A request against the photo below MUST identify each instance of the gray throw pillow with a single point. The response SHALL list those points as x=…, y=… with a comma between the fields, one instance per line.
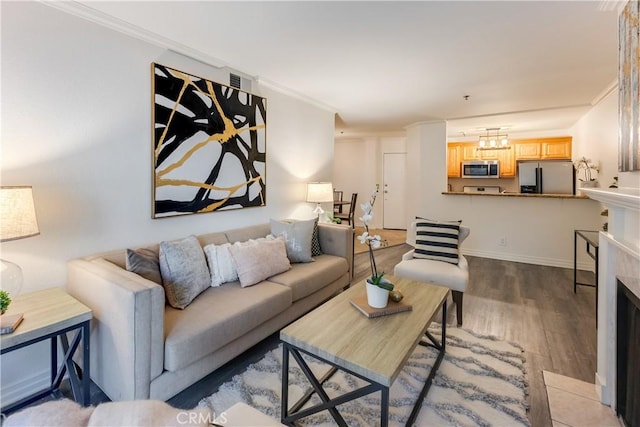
x=297, y=237
x=144, y=262
x=184, y=271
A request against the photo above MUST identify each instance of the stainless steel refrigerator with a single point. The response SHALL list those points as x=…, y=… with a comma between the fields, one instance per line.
x=547, y=177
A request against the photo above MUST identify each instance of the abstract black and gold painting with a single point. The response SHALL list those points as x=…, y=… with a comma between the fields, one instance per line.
x=209, y=145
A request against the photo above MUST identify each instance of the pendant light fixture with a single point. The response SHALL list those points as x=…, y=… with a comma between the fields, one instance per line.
x=493, y=140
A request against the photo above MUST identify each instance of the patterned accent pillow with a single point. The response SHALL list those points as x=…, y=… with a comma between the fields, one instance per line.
x=297, y=237
x=144, y=262
x=437, y=240
x=260, y=261
x=184, y=271
x=316, y=250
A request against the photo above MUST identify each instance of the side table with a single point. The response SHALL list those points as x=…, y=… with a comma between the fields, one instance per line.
x=49, y=314
x=592, y=239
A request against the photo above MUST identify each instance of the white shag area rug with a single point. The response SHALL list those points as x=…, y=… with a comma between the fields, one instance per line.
x=480, y=382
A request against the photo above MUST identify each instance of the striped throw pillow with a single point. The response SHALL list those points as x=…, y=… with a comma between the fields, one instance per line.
x=437, y=240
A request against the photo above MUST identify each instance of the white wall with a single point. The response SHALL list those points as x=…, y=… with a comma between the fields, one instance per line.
x=76, y=125
x=595, y=139
x=536, y=230
x=357, y=168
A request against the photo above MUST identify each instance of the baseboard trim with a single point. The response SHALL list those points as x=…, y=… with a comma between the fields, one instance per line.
x=551, y=262
x=25, y=387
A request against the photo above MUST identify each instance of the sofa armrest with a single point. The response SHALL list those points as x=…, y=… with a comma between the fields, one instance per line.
x=463, y=264
x=408, y=255
x=127, y=330
x=336, y=239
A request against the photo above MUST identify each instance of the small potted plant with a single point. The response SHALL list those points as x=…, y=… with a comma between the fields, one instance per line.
x=378, y=287
x=585, y=170
x=4, y=301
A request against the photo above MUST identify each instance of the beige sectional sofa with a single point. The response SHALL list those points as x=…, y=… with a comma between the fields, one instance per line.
x=142, y=348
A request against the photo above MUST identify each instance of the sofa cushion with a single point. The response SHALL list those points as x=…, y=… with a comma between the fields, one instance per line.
x=306, y=278
x=217, y=317
x=297, y=236
x=438, y=272
x=437, y=240
x=145, y=263
x=184, y=270
x=258, y=261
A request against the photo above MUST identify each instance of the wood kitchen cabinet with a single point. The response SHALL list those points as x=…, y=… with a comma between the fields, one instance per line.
x=470, y=152
x=453, y=160
x=489, y=154
x=507, y=162
x=528, y=150
x=543, y=148
x=458, y=152
x=556, y=148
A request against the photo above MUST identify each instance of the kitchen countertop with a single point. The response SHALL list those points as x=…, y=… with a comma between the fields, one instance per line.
x=550, y=196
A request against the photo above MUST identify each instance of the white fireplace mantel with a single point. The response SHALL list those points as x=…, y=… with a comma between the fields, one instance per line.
x=619, y=257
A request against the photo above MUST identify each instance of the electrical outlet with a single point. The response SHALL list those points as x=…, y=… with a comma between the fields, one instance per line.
x=503, y=241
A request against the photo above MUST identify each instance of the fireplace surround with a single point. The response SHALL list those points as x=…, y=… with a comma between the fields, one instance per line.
x=619, y=259
x=627, y=355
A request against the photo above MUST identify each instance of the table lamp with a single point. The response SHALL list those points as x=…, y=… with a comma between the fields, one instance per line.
x=319, y=192
x=17, y=221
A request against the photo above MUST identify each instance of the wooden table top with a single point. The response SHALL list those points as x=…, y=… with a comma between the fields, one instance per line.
x=45, y=311
x=376, y=348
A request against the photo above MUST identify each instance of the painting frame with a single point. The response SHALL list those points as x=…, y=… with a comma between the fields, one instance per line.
x=208, y=145
x=629, y=88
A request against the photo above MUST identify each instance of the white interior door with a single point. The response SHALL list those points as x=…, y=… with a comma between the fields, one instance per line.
x=393, y=190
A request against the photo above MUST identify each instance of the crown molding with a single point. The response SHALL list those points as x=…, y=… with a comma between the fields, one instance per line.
x=611, y=88
x=100, y=18
x=293, y=94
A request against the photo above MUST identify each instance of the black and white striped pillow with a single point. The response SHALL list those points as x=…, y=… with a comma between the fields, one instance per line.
x=437, y=240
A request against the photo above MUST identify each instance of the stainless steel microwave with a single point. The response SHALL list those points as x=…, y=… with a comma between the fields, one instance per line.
x=481, y=169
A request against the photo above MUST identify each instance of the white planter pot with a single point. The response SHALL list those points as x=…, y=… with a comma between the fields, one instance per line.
x=376, y=296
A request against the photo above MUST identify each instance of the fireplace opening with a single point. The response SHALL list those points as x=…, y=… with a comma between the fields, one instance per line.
x=628, y=356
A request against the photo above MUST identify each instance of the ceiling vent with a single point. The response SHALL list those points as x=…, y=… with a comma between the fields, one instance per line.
x=235, y=81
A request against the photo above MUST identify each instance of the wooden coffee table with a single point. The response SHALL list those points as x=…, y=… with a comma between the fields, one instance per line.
x=373, y=349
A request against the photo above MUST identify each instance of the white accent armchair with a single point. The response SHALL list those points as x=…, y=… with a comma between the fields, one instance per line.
x=453, y=276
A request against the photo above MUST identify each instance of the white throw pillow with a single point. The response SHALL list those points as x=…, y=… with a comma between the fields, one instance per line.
x=220, y=264
x=184, y=270
x=259, y=261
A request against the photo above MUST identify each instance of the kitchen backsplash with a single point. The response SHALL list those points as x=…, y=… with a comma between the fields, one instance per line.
x=510, y=185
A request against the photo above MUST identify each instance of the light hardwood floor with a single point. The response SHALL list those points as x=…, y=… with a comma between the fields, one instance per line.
x=529, y=304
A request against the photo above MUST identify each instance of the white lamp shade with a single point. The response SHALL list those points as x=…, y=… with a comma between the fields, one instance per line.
x=17, y=214
x=319, y=192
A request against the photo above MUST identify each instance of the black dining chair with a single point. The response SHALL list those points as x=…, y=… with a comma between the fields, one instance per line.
x=352, y=208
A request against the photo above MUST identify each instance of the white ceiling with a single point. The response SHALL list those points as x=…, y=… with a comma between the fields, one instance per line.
x=527, y=66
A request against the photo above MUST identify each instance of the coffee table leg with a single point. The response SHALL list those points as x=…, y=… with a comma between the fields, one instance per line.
x=432, y=373
x=384, y=407
x=284, y=411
